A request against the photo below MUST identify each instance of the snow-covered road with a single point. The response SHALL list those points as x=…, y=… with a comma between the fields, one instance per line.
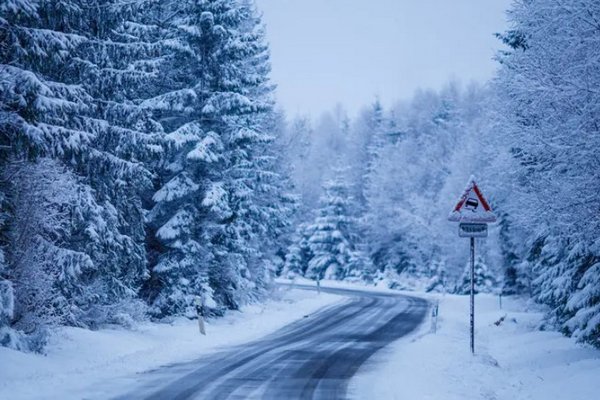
x=311, y=358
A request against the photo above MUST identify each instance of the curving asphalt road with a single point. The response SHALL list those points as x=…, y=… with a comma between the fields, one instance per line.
x=313, y=358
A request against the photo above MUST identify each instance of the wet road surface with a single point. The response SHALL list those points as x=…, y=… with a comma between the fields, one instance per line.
x=313, y=358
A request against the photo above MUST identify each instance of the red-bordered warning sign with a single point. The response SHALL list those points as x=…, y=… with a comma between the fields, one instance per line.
x=472, y=206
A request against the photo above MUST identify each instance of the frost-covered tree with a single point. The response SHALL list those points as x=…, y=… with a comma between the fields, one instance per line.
x=193, y=158
x=333, y=237
x=63, y=84
x=583, y=307
x=549, y=115
x=112, y=64
x=516, y=280
x=46, y=263
x=297, y=136
x=222, y=204
x=373, y=132
x=295, y=263
x=7, y=298
x=298, y=253
x=258, y=188
x=407, y=181
x=438, y=281
x=361, y=268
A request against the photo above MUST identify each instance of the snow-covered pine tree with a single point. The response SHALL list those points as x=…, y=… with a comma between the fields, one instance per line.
x=221, y=205
x=376, y=187
x=485, y=281
x=17, y=140
x=410, y=170
x=515, y=281
x=333, y=239
x=583, y=307
x=296, y=150
x=286, y=199
x=439, y=279
x=257, y=188
x=117, y=65
x=298, y=253
x=295, y=263
x=565, y=277
x=58, y=62
x=372, y=129
x=191, y=195
x=7, y=299
x=31, y=50
x=32, y=109
x=550, y=118
x=361, y=266
x=46, y=219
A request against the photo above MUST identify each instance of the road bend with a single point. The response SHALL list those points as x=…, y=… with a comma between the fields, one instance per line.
x=313, y=358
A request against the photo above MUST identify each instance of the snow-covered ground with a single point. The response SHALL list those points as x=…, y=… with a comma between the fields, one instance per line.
x=94, y=364
x=513, y=361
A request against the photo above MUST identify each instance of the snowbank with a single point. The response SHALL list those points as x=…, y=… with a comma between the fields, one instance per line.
x=89, y=364
x=513, y=359
x=381, y=287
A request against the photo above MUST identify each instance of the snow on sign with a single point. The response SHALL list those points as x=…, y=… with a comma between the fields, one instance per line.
x=472, y=206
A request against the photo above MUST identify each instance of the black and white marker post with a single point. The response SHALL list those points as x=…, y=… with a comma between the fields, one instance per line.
x=200, y=311
x=473, y=213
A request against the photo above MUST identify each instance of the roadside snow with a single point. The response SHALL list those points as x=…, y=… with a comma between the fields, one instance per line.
x=358, y=285
x=88, y=364
x=513, y=360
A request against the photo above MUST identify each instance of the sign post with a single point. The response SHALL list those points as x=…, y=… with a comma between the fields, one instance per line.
x=473, y=213
x=472, y=311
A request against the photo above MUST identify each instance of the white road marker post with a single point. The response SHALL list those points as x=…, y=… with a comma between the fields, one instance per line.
x=434, y=316
x=318, y=285
x=473, y=213
x=199, y=303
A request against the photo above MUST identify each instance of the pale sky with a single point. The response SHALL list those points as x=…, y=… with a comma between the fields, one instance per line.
x=326, y=52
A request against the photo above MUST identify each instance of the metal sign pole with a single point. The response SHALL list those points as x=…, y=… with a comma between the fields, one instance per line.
x=473, y=295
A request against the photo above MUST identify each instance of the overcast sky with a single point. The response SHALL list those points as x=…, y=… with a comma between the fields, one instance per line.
x=349, y=51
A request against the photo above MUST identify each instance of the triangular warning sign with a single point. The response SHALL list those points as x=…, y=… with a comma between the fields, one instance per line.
x=472, y=206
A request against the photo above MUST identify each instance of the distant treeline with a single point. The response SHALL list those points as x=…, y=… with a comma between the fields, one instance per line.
x=532, y=138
